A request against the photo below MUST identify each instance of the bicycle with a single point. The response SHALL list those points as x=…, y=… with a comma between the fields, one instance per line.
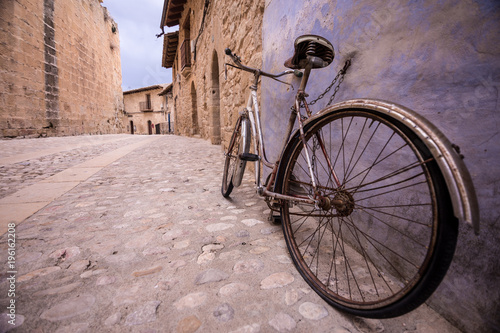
x=369, y=193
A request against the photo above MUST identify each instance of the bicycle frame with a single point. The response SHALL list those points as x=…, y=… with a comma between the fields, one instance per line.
x=253, y=111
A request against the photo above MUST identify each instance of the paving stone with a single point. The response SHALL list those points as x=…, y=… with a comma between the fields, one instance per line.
x=145, y=314
x=182, y=244
x=113, y=319
x=229, y=218
x=120, y=258
x=90, y=273
x=271, y=230
x=366, y=325
x=259, y=249
x=211, y=275
x=291, y=297
x=233, y=288
x=25, y=258
x=8, y=323
x=248, y=266
x=191, y=301
x=69, y=308
x=105, y=280
x=219, y=227
x=254, y=328
x=153, y=251
x=74, y=328
x=313, y=311
x=37, y=273
x=277, y=280
x=148, y=271
x=58, y=290
x=188, y=325
x=224, y=312
x=283, y=322
x=140, y=241
x=251, y=222
x=174, y=265
x=79, y=266
x=243, y=234
x=174, y=234
x=212, y=247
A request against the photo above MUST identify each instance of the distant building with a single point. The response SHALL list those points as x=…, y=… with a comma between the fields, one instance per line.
x=60, y=69
x=149, y=110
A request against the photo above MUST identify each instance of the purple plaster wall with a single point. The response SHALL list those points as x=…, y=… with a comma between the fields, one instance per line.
x=439, y=58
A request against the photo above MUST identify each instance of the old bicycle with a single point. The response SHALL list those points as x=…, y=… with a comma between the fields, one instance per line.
x=369, y=193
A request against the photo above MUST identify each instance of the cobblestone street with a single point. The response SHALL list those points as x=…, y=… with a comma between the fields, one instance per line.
x=122, y=233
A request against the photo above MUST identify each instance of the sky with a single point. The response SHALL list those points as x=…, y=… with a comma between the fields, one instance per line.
x=141, y=52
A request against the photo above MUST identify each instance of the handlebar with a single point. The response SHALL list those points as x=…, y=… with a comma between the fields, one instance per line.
x=256, y=71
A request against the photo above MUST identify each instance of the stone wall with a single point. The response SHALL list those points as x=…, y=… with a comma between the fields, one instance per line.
x=441, y=59
x=207, y=104
x=60, y=69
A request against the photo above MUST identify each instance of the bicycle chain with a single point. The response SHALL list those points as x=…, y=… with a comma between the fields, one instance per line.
x=340, y=77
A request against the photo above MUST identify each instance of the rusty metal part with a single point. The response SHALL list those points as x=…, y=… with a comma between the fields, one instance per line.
x=344, y=203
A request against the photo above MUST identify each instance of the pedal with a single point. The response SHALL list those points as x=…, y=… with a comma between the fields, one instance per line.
x=249, y=157
x=274, y=215
x=274, y=218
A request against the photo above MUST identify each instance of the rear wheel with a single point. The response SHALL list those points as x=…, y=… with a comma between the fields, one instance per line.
x=383, y=234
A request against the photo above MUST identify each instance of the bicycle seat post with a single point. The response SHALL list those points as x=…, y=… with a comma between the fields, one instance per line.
x=305, y=77
x=312, y=62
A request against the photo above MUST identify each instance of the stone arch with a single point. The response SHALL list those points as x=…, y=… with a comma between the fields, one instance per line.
x=194, y=111
x=215, y=101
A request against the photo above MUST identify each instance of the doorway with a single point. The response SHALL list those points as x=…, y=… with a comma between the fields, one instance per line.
x=131, y=127
x=194, y=111
x=215, y=99
x=150, y=127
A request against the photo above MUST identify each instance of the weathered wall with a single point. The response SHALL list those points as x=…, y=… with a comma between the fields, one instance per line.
x=441, y=59
x=233, y=24
x=60, y=68
x=157, y=114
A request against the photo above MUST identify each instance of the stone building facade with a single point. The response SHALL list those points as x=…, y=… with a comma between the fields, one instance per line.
x=60, y=69
x=149, y=110
x=207, y=104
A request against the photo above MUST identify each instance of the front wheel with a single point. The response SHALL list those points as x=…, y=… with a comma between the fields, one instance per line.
x=383, y=236
x=234, y=167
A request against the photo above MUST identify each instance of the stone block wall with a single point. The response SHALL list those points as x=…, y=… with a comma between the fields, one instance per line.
x=441, y=59
x=206, y=103
x=60, y=69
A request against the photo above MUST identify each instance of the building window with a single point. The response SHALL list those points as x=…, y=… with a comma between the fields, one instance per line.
x=146, y=106
x=185, y=50
x=185, y=54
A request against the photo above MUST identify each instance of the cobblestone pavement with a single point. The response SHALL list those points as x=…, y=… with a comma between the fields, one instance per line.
x=146, y=243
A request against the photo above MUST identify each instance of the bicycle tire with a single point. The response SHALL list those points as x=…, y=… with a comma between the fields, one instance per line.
x=385, y=249
x=233, y=165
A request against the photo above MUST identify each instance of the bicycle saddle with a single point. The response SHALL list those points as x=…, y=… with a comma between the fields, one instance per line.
x=313, y=46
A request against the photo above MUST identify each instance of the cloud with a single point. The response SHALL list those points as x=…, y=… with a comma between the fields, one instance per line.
x=141, y=52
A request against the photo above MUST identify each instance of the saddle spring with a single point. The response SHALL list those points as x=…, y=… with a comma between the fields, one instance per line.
x=317, y=50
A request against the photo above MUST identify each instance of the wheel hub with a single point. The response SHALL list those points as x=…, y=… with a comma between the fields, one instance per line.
x=343, y=203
